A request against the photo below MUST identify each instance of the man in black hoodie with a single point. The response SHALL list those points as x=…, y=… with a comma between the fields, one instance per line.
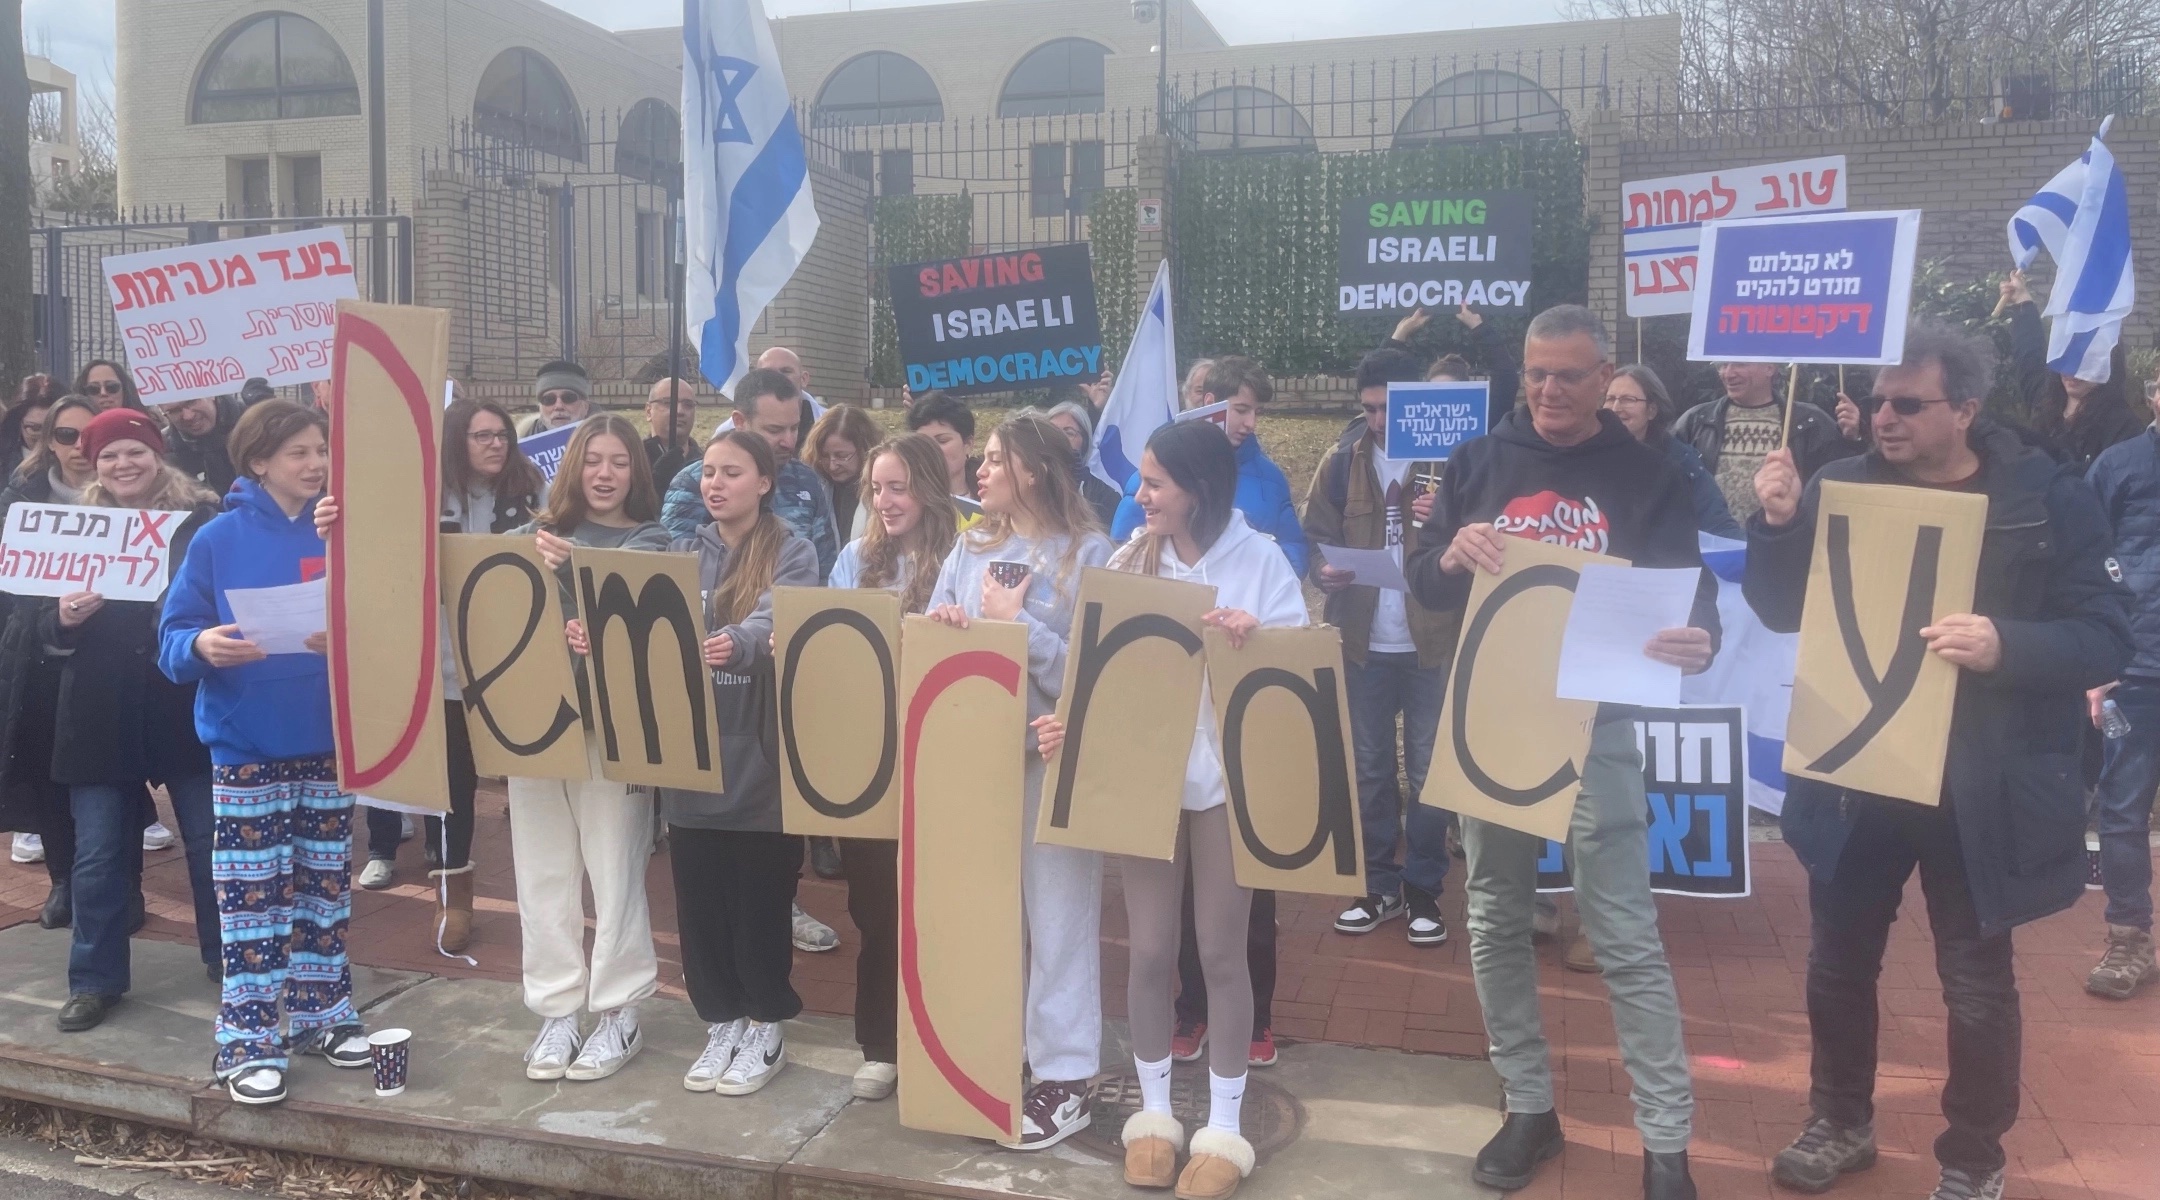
x=1562, y=470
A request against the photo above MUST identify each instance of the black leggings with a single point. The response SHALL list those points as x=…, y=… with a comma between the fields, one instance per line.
x=384, y=826
x=735, y=914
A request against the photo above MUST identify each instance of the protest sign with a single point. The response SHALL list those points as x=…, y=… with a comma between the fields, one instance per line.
x=1426, y=421
x=1434, y=250
x=961, y=1039
x=1283, y=721
x=998, y=322
x=838, y=654
x=1663, y=220
x=1887, y=562
x=1830, y=288
x=513, y=669
x=200, y=320
x=1694, y=782
x=384, y=601
x=1510, y=751
x=1130, y=706
x=652, y=698
x=546, y=451
x=61, y=549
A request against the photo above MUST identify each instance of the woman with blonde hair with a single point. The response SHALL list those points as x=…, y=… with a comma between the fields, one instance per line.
x=838, y=449
x=1023, y=563
x=914, y=523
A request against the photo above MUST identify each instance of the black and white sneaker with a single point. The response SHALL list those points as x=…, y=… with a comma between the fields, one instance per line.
x=1050, y=1113
x=345, y=1046
x=263, y=1085
x=1426, y=927
x=1369, y=914
x=1965, y=1185
x=758, y=1057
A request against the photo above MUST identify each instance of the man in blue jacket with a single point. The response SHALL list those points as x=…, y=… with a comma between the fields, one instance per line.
x=767, y=404
x=2006, y=845
x=1263, y=494
x=2127, y=478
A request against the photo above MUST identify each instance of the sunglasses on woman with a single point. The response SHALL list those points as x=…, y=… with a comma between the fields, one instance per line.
x=66, y=435
x=1904, y=406
x=110, y=387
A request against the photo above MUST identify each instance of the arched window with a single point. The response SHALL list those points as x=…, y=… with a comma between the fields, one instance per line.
x=275, y=66
x=1064, y=76
x=523, y=100
x=1479, y=103
x=1246, y=118
x=648, y=144
x=879, y=88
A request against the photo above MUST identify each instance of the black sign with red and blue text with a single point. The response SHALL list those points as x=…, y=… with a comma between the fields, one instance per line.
x=998, y=322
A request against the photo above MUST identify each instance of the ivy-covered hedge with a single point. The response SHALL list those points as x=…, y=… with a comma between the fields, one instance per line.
x=908, y=229
x=1257, y=243
x=1113, y=228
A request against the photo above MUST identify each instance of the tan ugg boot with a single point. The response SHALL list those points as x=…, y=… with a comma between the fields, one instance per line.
x=453, y=902
x=1152, y=1141
x=1220, y=1161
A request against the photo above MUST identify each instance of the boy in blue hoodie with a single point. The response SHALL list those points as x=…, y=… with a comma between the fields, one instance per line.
x=282, y=854
x=1263, y=494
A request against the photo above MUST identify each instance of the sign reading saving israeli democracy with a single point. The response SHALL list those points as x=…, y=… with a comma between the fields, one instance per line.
x=1822, y=288
x=1435, y=250
x=998, y=322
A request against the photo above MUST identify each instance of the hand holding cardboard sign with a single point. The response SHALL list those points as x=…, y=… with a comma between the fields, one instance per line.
x=1966, y=640
x=326, y=514
x=1478, y=545
x=574, y=635
x=1236, y=624
x=719, y=650
x=1777, y=485
x=1049, y=735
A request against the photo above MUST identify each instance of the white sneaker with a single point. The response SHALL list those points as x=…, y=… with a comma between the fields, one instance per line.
x=720, y=1042
x=875, y=1080
x=378, y=874
x=405, y=828
x=27, y=848
x=263, y=1085
x=552, y=1051
x=760, y=1056
x=612, y=1044
x=813, y=936
x=157, y=837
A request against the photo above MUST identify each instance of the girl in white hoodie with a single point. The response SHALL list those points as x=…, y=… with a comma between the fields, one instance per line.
x=1188, y=482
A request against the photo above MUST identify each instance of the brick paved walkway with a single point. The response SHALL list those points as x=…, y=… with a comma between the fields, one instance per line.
x=2090, y=1122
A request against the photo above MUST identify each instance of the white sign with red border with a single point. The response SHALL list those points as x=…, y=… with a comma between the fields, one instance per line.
x=1662, y=220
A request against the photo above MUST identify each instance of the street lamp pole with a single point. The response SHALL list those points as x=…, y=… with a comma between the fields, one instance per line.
x=1142, y=10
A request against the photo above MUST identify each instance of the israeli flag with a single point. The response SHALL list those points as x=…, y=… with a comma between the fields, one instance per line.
x=747, y=211
x=2082, y=217
x=1753, y=671
x=1145, y=396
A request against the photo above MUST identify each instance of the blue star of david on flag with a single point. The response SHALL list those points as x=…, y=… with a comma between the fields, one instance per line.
x=732, y=75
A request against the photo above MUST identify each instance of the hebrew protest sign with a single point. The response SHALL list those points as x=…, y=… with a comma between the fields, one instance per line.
x=61, y=549
x=1695, y=783
x=1510, y=751
x=838, y=653
x=1426, y=421
x=1870, y=706
x=1663, y=220
x=1434, y=250
x=1283, y=719
x=384, y=591
x=1130, y=706
x=1828, y=288
x=961, y=1041
x=200, y=320
x=998, y=322
x=652, y=698
x=513, y=670
x=546, y=450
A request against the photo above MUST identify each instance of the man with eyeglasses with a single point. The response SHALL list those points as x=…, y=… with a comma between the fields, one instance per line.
x=671, y=414
x=2006, y=845
x=1562, y=470
x=195, y=435
x=1733, y=432
x=564, y=392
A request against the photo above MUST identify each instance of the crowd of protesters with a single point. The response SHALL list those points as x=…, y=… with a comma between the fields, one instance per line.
x=102, y=701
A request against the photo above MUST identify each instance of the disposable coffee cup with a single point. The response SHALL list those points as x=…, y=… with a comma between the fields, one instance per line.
x=1008, y=574
x=389, y=1048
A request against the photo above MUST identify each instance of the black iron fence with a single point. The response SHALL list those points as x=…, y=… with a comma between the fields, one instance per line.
x=73, y=316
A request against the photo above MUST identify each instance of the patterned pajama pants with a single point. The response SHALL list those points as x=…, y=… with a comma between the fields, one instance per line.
x=282, y=866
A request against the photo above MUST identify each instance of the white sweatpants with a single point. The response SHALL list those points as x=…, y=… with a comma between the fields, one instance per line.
x=1062, y=891
x=563, y=835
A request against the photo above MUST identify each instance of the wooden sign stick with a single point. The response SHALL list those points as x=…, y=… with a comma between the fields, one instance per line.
x=1792, y=394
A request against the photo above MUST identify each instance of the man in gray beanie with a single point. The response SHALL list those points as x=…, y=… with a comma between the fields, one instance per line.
x=564, y=393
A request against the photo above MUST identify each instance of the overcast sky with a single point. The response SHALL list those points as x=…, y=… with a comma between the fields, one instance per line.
x=80, y=32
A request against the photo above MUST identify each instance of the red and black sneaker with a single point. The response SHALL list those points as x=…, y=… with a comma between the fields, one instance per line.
x=1050, y=1113
x=1188, y=1041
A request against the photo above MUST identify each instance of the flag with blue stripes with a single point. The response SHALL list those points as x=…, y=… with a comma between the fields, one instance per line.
x=1753, y=671
x=748, y=214
x=1145, y=396
x=2082, y=219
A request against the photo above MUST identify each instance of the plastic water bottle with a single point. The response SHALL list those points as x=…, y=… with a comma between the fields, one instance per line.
x=2112, y=721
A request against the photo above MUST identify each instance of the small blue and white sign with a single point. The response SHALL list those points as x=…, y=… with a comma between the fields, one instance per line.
x=546, y=449
x=1822, y=288
x=1426, y=421
x=1695, y=780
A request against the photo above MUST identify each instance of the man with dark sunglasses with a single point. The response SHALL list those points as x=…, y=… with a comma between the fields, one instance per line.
x=564, y=393
x=2007, y=843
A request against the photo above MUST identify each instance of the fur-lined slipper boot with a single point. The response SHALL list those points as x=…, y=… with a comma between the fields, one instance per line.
x=1220, y=1161
x=1152, y=1141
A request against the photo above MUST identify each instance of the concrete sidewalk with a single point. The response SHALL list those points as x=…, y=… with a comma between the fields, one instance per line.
x=1332, y=1120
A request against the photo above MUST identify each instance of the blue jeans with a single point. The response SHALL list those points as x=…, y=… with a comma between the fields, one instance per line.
x=108, y=873
x=2125, y=802
x=1387, y=686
